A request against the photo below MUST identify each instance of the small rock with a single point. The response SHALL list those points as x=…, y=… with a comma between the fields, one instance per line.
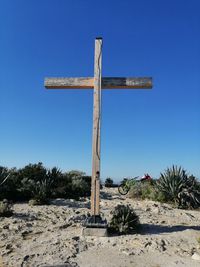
x=26, y=258
x=82, y=247
x=55, y=242
x=76, y=238
x=155, y=205
x=29, y=224
x=25, y=233
x=77, y=212
x=15, y=227
x=162, y=222
x=147, y=209
x=196, y=257
x=128, y=253
x=8, y=246
x=149, y=243
x=155, y=210
x=163, y=245
x=137, y=251
x=64, y=226
x=78, y=218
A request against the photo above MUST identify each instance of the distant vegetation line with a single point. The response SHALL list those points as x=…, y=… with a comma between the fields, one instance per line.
x=38, y=184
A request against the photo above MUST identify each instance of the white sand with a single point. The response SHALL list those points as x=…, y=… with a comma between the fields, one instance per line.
x=51, y=235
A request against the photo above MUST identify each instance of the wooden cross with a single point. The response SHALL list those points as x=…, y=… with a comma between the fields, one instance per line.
x=97, y=83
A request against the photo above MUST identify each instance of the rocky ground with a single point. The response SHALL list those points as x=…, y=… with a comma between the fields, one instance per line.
x=51, y=236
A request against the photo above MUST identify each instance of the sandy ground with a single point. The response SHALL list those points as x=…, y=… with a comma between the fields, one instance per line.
x=51, y=236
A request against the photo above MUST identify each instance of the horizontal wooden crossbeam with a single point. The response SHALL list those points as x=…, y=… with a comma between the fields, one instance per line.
x=107, y=83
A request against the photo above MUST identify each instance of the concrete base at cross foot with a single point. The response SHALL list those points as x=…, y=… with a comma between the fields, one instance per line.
x=94, y=231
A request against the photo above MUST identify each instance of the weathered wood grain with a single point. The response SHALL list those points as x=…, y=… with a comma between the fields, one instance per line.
x=95, y=193
x=107, y=83
x=126, y=83
x=68, y=83
x=97, y=83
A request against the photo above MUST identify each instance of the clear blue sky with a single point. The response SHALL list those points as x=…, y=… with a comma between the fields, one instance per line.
x=142, y=130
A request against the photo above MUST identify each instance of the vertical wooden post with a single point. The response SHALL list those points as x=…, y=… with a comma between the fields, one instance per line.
x=95, y=201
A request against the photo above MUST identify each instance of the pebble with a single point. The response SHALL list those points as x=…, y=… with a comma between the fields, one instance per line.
x=196, y=257
x=155, y=210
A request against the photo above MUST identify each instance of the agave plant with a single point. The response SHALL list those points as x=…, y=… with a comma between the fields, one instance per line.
x=172, y=182
x=39, y=191
x=124, y=220
x=177, y=186
x=55, y=173
x=189, y=198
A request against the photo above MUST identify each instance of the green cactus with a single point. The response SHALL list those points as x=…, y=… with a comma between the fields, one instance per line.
x=180, y=188
x=172, y=182
x=124, y=220
x=189, y=198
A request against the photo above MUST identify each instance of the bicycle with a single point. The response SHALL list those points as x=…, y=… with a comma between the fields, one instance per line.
x=126, y=184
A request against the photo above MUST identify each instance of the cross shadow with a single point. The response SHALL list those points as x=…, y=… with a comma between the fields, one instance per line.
x=61, y=265
x=153, y=229
x=159, y=229
x=105, y=195
x=24, y=216
x=108, y=196
x=70, y=203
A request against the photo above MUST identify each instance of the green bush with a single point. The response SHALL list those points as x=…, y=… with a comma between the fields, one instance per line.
x=135, y=190
x=9, y=186
x=35, y=172
x=40, y=191
x=80, y=188
x=73, y=184
x=108, y=182
x=5, y=208
x=143, y=190
x=124, y=220
x=36, y=182
x=32, y=174
x=4, y=173
x=63, y=187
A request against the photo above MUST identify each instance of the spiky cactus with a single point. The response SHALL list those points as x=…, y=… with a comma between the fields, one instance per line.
x=40, y=191
x=189, y=198
x=180, y=188
x=124, y=220
x=172, y=181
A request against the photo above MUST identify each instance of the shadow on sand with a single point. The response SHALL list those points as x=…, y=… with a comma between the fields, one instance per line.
x=108, y=196
x=159, y=229
x=24, y=216
x=70, y=203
